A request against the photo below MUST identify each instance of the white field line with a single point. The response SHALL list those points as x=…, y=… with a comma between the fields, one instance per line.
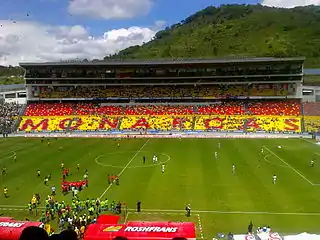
x=266, y=160
x=200, y=226
x=317, y=154
x=125, y=167
x=292, y=168
x=181, y=212
x=126, y=218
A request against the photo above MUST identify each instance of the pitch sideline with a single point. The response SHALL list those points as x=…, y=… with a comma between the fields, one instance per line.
x=179, y=211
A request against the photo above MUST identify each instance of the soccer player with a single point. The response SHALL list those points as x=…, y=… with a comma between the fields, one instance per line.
x=262, y=151
x=233, y=169
x=117, y=180
x=118, y=145
x=48, y=143
x=30, y=207
x=14, y=157
x=38, y=173
x=188, y=210
x=138, y=206
x=274, y=179
x=219, y=145
x=155, y=158
x=162, y=168
x=62, y=165
x=78, y=167
x=216, y=155
x=53, y=190
x=144, y=159
x=4, y=171
x=46, y=180
x=312, y=163
x=5, y=192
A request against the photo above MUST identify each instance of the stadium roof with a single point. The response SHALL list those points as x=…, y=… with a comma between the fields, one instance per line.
x=162, y=62
x=312, y=71
x=13, y=87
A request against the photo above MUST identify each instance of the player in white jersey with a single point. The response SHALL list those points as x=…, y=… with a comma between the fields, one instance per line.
x=312, y=163
x=155, y=159
x=219, y=145
x=216, y=155
x=162, y=168
x=233, y=169
x=274, y=179
x=53, y=190
x=262, y=151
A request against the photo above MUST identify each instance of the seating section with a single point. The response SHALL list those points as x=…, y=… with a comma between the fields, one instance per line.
x=227, y=116
x=312, y=123
x=9, y=113
x=201, y=91
x=50, y=109
x=311, y=108
x=281, y=108
x=248, y=123
x=311, y=112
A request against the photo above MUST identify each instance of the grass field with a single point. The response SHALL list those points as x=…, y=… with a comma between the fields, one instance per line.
x=220, y=201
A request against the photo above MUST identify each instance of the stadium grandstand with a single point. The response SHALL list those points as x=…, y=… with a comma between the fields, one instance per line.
x=253, y=95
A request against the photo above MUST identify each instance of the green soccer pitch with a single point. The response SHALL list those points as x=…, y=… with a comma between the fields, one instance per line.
x=220, y=200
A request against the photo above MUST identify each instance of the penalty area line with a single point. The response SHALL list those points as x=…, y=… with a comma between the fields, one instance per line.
x=292, y=168
x=125, y=167
x=200, y=226
x=126, y=218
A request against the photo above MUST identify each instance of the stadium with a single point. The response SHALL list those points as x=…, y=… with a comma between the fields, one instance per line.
x=218, y=144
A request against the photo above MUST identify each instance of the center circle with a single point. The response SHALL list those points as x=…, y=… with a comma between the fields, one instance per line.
x=165, y=156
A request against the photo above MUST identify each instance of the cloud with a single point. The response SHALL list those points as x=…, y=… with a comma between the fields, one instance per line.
x=110, y=9
x=35, y=42
x=289, y=3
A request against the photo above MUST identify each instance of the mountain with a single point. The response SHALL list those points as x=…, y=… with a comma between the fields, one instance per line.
x=237, y=30
x=11, y=75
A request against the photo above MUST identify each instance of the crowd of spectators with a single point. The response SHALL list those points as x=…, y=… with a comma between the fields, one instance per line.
x=8, y=115
x=311, y=112
x=129, y=92
x=37, y=233
x=278, y=108
x=226, y=115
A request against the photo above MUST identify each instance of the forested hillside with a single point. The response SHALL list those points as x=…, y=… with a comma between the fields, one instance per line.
x=11, y=75
x=237, y=30
x=228, y=31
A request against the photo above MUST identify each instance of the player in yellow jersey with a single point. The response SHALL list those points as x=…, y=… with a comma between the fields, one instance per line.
x=5, y=192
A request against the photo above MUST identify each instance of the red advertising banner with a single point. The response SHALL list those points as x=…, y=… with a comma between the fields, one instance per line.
x=141, y=231
x=11, y=229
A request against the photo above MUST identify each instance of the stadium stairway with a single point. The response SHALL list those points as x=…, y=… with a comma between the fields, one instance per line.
x=119, y=123
x=194, y=122
x=302, y=118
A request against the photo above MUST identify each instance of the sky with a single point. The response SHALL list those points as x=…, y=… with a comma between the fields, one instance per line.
x=54, y=30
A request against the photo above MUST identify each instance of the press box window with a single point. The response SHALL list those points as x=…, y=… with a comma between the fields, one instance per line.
x=307, y=92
